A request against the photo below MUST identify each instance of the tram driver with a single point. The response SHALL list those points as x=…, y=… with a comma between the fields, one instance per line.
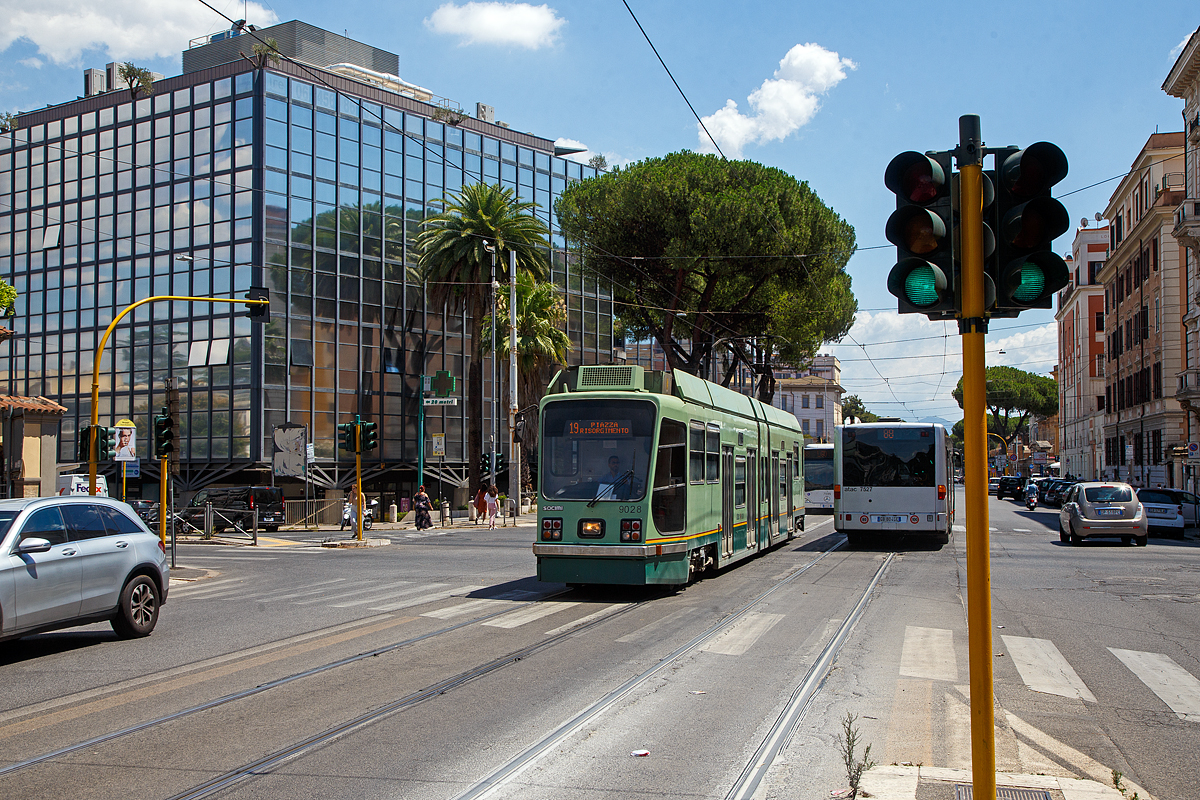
x=617, y=483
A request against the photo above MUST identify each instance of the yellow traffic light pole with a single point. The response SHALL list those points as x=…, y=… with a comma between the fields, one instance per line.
x=979, y=581
x=96, y=377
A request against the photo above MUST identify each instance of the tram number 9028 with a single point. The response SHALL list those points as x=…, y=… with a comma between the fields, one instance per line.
x=629, y=509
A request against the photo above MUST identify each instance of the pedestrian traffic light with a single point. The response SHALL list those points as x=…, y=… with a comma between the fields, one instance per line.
x=924, y=277
x=164, y=434
x=1025, y=268
x=501, y=462
x=83, y=444
x=346, y=438
x=369, y=436
x=106, y=445
x=259, y=312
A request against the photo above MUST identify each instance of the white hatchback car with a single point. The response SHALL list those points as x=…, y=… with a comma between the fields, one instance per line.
x=1163, y=512
x=73, y=560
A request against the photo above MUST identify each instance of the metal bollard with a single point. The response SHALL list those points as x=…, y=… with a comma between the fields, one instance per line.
x=445, y=510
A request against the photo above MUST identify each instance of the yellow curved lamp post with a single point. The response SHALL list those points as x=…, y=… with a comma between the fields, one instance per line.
x=94, y=432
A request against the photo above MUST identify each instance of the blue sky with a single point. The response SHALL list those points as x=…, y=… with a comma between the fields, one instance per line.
x=860, y=83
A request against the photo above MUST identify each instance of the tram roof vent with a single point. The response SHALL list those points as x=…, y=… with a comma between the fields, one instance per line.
x=628, y=377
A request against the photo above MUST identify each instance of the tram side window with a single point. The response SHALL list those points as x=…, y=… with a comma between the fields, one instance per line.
x=696, y=457
x=713, y=457
x=739, y=482
x=668, y=505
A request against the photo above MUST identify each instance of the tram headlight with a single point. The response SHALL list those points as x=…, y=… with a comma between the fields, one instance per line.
x=591, y=528
x=631, y=530
x=551, y=530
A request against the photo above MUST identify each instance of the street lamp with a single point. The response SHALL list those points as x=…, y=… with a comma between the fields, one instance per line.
x=493, y=433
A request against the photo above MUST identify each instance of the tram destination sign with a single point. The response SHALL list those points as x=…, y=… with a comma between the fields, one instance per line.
x=601, y=428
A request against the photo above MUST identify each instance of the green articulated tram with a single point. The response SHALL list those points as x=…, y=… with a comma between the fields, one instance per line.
x=650, y=477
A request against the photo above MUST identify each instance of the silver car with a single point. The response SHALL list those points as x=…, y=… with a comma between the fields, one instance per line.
x=1094, y=510
x=73, y=560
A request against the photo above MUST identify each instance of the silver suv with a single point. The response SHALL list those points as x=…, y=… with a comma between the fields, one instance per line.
x=68, y=561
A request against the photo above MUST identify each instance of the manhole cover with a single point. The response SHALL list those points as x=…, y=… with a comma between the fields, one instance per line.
x=962, y=791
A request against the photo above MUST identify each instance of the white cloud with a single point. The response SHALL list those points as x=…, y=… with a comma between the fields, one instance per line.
x=516, y=24
x=31, y=62
x=914, y=364
x=124, y=29
x=1177, y=49
x=781, y=105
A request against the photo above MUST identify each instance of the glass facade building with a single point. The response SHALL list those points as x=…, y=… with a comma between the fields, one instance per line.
x=302, y=180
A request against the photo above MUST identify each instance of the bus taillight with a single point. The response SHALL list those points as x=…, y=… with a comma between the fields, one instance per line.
x=941, y=491
x=837, y=491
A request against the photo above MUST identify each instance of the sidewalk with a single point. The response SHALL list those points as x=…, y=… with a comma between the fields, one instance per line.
x=939, y=783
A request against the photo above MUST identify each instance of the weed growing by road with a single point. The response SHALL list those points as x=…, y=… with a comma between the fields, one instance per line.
x=1116, y=779
x=848, y=741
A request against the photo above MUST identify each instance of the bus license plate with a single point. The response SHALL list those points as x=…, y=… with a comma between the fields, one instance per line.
x=887, y=518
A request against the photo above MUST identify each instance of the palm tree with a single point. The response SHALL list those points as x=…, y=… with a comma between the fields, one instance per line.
x=542, y=344
x=457, y=266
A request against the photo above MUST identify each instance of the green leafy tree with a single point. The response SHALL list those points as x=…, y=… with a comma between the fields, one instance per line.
x=1012, y=396
x=8, y=299
x=139, y=79
x=853, y=407
x=265, y=54
x=8, y=122
x=542, y=344
x=705, y=254
x=457, y=268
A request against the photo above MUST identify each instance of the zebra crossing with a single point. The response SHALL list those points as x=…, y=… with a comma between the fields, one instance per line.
x=928, y=653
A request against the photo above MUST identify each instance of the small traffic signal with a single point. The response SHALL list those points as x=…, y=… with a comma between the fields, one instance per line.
x=83, y=444
x=485, y=462
x=369, y=433
x=1026, y=270
x=924, y=277
x=501, y=462
x=346, y=437
x=164, y=434
x=106, y=446
x=260, y=313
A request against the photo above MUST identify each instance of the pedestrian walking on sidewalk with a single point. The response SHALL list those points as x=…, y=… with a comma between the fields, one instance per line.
x=422, y=506
x=481, y=503
x=492, y=498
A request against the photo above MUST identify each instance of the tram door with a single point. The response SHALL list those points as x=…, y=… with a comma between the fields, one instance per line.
x=727, y=478
x=774, y=495
x=752, y=510
x=789, y=512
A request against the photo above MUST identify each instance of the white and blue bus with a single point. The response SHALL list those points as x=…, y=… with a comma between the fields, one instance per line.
x=819, y=478
x=893, y=477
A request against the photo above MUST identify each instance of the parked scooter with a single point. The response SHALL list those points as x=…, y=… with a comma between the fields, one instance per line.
x=348, y=515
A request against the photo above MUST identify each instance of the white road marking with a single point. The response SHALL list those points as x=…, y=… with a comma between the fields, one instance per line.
x=960, y=528
x=532, y=613
x=426, y=598
x=469, y=607
x=748, y=630
x=1022, y=530
x=366, y=590
x=271, y=597
x=1044, y=669
x=615, y=607
x=669, y=622
x=1173, y=684
x=928, y=653
x=389, y=594
x=203, y=586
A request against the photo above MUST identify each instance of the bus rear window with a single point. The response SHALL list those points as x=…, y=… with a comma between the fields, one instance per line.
x=897, y=457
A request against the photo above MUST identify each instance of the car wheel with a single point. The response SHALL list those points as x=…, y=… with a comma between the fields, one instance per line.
x=137, y=612
x=1142, y=541
x=1076, y=539
x=1062, y=535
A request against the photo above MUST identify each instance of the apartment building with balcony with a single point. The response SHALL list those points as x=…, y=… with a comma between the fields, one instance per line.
x=1081, y=356
x=1144, y=301
x=1184, y=82
x=814, y=395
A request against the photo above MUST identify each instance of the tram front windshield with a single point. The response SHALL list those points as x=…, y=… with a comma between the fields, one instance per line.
x=596, y=449
x=900, y=457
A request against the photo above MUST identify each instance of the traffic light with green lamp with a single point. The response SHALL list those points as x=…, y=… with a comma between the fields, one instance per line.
x=369, y=435
x=346, y=437
x=164, y=434
x=106, y=443
x=485, y=463
x=1026, y=270
x=924, y=277
x=83, y=444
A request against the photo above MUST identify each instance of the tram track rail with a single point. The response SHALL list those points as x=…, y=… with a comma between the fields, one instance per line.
x=484, y=787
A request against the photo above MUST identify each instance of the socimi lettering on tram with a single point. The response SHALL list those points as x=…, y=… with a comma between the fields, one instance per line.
x=650, y=477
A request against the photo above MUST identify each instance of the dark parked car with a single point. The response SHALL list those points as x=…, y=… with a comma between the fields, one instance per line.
x=73, y=560
x=1055, y=491
x=1011, y=486
x=145, y=509
x=235, y=506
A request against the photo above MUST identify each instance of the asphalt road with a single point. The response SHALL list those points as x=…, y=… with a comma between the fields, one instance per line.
x=438, y=667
